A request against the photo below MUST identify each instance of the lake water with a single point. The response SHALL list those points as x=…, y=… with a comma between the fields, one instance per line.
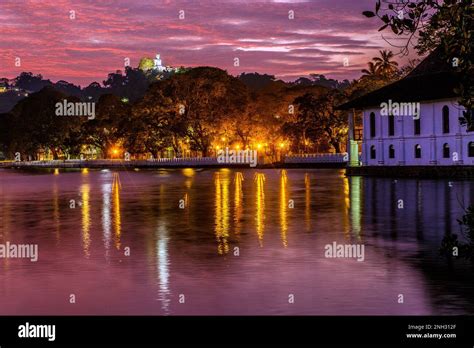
x=226, y=242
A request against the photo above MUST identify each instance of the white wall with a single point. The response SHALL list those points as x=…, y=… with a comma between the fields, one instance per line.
x=431, y=138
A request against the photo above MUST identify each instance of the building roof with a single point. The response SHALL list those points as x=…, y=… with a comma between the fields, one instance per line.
x=432, y=79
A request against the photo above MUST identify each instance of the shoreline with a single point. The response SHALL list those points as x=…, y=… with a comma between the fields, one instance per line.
x=141, y=164
x=422, y=172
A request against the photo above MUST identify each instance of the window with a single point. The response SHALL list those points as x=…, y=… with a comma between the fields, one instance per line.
x=446, y=150
x=417, y=126
x=445, y=119
x=391, y=151
x=372, y=125
x=417, y=151
x=372, y=152
x=470, y=149
x=391, y=125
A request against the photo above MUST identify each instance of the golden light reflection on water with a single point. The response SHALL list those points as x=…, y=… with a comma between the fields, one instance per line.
x=284, y=207
x=116, y=186
x=260, y=206
x=221, y=183
x=238, y=201
x=346, y=207
x=86, y=219
x=189, y=173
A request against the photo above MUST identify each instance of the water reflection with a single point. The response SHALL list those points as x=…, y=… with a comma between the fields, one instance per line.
x=355, y=205
x=260, y=206
x=106, y=215
x=86, y=218
x=238, y=202
x=284, y=207
x=307, y=201
x=221, y=184
x=116, y=186
x=56, y=218
x=345, y=185
x=171, y=254
x=162, y=265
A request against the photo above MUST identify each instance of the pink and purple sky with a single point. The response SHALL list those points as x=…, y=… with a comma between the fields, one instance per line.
x=259, y=33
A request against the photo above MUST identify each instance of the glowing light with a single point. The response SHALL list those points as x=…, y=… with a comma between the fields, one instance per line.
x=223, y=138
x=56, y=171
x=86, y=219
x=259, y=146
x=237, y=147
x=259, y=178
x=282, y=145
x=283, y=207
x=218, y=147
x=85, y=171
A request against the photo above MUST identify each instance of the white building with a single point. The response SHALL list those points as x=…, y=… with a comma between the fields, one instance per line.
x=432, y=135
x=158, y=65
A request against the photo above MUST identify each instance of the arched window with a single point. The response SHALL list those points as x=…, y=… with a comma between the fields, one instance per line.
x=417, y=126
x=417, y=151
x=391, y=151
x=445, y=119
x=372, y=152
x=391, y=125
x=372, y=125
x=470, y=149
x=446, y=153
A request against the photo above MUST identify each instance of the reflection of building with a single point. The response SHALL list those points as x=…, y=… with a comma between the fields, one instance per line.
x=420, y=126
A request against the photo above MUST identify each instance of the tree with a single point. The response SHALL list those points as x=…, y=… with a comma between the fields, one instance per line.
x=34, y=126
x=305, y=121
x=371, y=71
x=154, y=124
x=203, y=97
x=132, y=85
x=93, y=92
x=385, y=65
x=29, y=82
x=106, y=130
x=429, y=24
x=146, y=64
x=319, y=115
x=256, y=81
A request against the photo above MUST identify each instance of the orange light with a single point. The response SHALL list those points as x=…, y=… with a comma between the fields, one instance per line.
x=259, y=146
x=237, y=147
x=282, y=145
x=223, y=138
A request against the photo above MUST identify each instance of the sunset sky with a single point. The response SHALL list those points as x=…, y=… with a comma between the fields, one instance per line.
x=213, y=33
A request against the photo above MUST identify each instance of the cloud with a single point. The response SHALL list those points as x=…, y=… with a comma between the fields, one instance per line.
x=102, y=34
